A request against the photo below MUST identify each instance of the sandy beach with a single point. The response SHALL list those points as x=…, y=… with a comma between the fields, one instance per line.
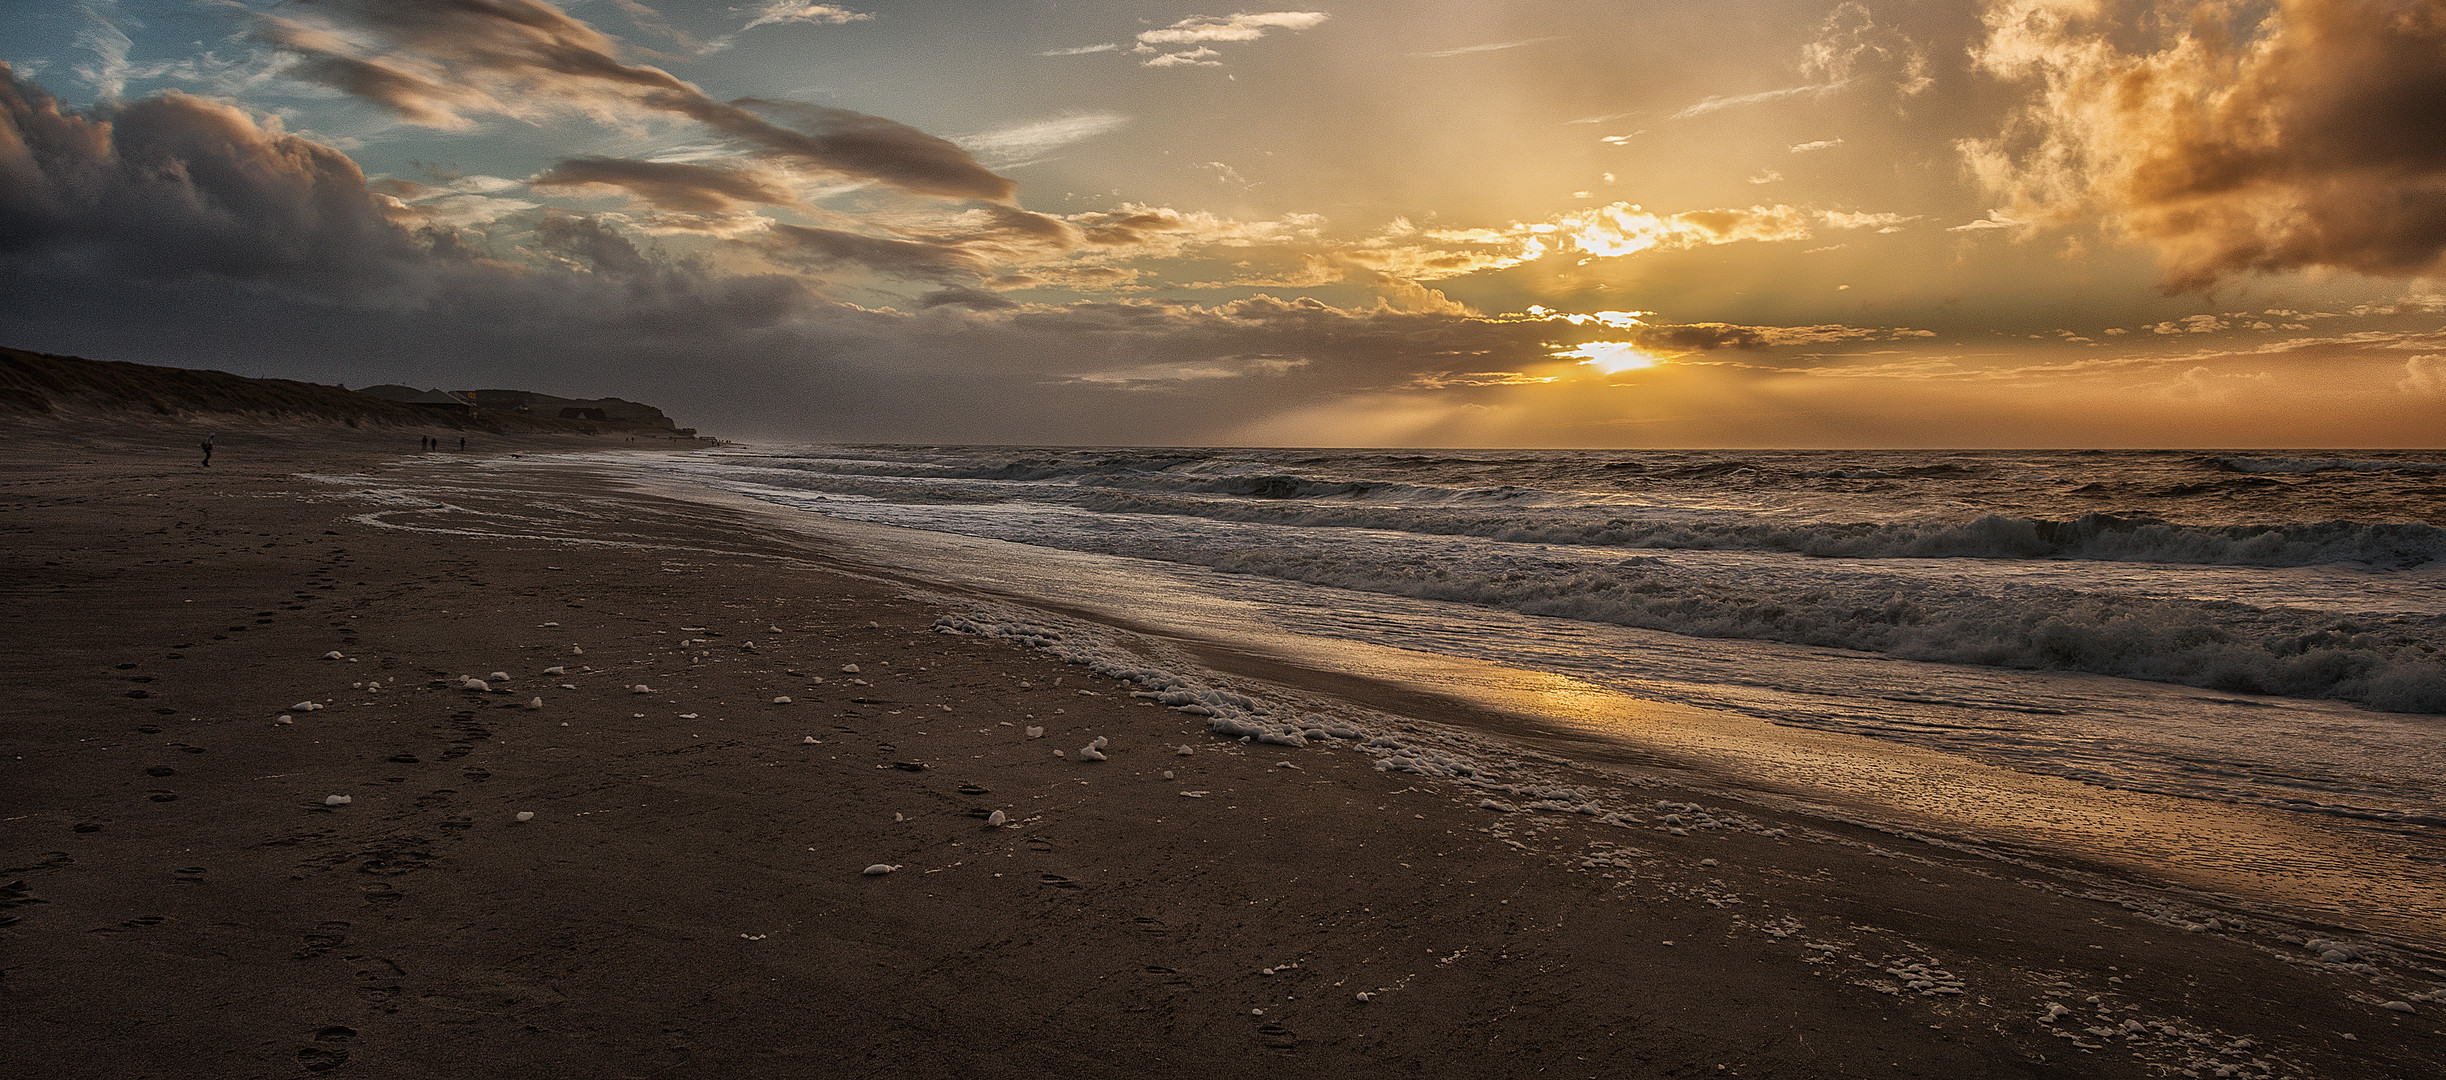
x=596, y=781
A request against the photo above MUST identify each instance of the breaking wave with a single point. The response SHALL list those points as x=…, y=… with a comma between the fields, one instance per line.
x=2106, y=537
x=2394, y=665
x=2316, y=465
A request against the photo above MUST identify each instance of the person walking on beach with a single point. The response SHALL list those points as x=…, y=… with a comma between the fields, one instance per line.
x=462, y=442
x=208, y=450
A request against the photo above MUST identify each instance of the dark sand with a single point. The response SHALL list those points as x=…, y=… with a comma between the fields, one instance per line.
x=687, y=899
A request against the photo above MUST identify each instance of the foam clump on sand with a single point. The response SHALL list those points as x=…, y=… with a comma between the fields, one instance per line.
x=338, y=800
x=782, y=700
x=1094, y=751
x=305, y=706
x=526, y=815
x=641, y=688
x=499, y=676
x=1398, y=756
x=879, y=869
x=333, y=655
x=996, y=819
x=1230, y=715
x=470, y=682
x=534, y=703
x=1035, y=732
x=556, y=669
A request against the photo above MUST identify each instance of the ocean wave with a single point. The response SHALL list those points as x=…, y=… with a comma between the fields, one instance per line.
x=2104, y=537
x=2396, y=666
x=1284, y=488
x=2316, y=465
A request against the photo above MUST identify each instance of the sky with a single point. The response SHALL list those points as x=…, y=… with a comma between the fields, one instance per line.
x=1477, y=223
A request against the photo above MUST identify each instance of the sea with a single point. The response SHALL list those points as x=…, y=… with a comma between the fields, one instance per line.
x=2255, y=638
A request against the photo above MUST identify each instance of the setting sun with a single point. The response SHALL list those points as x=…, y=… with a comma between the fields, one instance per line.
x=1612, y=357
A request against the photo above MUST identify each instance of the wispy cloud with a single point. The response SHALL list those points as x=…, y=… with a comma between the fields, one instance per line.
x=1995, y=219
x=1021, y=144
x=1197, y=57
x=440, y=65
x=1081, y=50
x=1241, y=27
x=1821, y=144
x=1734, y=101
x=775, y=12
x=108, y=41
x=1203, y=30
x=1496, y=47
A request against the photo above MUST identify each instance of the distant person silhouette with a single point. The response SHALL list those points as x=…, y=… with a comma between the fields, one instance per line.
x=462, y=442
x=207, y=451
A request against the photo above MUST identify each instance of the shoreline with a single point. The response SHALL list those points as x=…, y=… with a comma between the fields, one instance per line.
x=2258, y=862
x=688, y=896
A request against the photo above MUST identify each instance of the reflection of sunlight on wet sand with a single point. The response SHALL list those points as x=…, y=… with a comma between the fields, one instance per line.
x=2295, y=861
x=2298, y=862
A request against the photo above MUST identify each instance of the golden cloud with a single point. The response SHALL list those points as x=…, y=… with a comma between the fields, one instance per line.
x=2233, y=138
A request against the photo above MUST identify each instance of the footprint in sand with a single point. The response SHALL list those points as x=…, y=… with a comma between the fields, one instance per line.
x=329, y=1052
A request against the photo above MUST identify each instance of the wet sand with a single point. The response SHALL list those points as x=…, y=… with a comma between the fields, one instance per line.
x=688, y=896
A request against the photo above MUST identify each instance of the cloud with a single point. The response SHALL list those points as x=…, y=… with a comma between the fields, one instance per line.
x=1021, y=144
x=1766, y=176
x=2424, y=375
x=1496, y=47
x=916, y=259
x=1241, y=27
x=1712, y=104
x=1821, y=144
x=2189, y=324
x=1159, y=231
x=102, y=35
x=1197, y=57
x=1995, y=219
x=1882, y=222
x=1203, y=30
x=1081, y=50
x=1153, y=376
x=774, y=12
x=174, y=188
x=587, y=243
x=1851, y=44
x=2232, y=141
x=440, y=65
x=686, y=188
x=963, y=296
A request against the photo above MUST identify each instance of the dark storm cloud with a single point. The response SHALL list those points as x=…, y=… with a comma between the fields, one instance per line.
x=675, y=186
x=586, y=238
x=173, y=187
x=2259, y=138
x=962, y=296
x=898, y=258
x=440, y=61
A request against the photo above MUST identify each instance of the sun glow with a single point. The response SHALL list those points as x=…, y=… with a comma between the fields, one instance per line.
x=1612, y=357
